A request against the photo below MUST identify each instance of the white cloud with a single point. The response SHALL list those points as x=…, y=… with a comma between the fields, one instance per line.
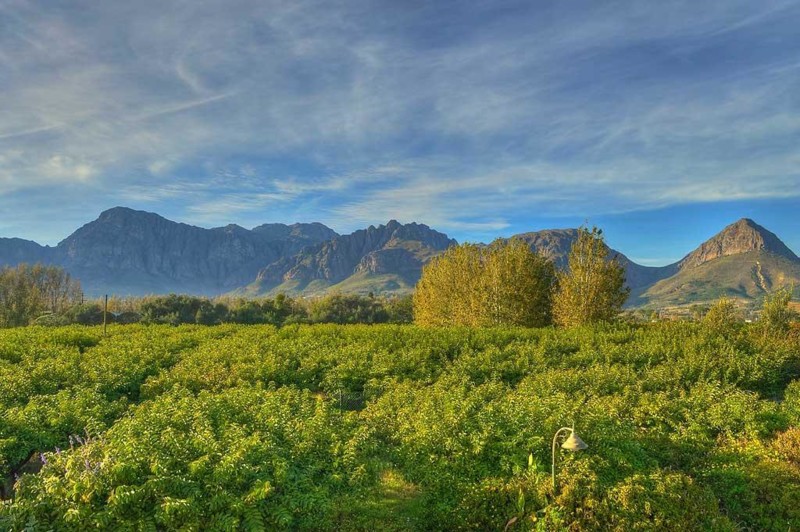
x=358, y=112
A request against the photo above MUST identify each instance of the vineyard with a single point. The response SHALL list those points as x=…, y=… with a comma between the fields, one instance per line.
x=395, y=427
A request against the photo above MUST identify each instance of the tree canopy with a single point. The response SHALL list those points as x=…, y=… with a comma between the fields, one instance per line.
x=592, y=289
x=504, y=283
x=28, y=292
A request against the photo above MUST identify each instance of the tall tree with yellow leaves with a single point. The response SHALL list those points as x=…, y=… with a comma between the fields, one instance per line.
x=592, y=289
x=502, y=284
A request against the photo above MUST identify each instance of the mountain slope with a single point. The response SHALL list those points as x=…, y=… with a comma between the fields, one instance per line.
x=131, y=252
x=140, y=252
x=740, y=237
x=555, y=245
x=744, y=261
x=747, y=275
x=16, y=250
x=384, y=258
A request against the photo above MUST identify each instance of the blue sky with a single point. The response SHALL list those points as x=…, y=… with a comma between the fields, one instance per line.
x=660, y=121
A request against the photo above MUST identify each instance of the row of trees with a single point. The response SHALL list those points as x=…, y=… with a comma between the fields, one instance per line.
x=775, y=319
x=28, y=293
x=176, y=309
x=506, y=283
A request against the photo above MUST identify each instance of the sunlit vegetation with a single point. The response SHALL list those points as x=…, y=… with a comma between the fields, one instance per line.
x=44, y=295
x=504, y=283
x=592, y=288
x=34, y=292
x=690, y=426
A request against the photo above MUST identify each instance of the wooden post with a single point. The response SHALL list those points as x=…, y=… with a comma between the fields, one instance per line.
x=105, y=315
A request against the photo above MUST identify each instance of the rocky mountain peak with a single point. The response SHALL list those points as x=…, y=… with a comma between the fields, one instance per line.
x=313, y=232
x=125, y=215
x=742, y=236
x=390, y=248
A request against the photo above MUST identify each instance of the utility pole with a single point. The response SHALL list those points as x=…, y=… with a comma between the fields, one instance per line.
x=105, y=315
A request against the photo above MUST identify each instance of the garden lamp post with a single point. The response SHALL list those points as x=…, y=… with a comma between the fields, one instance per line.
x=572, y=443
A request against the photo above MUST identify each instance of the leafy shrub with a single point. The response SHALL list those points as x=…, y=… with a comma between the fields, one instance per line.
x=240, y=427
x=722, y=318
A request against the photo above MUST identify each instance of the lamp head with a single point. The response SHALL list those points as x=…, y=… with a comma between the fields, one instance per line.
x=574, y=443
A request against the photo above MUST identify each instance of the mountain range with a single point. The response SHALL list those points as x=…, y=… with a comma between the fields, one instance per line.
x=129, y=252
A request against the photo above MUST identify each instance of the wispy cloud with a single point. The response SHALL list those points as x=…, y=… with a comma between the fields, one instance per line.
x=463, y=115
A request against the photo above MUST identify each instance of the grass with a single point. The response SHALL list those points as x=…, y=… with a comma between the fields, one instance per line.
x=396, y=506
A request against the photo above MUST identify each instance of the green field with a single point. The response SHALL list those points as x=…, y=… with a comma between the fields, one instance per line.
x=399, y=428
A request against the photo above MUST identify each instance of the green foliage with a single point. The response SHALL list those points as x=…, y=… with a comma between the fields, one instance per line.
x=503, y=284
x=776, y=316
x=342, y=309
x=85, y=314
x=400, y=309
x=592, y=289
x=30, y=292
x=662, y=501
x=723, y=318
x=176, y=310
x=241, y=427
x=246, y=457
x=172, y=309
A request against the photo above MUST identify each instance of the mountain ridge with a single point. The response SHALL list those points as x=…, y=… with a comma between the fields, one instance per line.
x=392, y=248
x=744, y=260
x=132, y=252
x=742, y=236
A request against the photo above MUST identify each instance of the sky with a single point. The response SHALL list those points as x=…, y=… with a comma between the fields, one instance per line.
x=660, y=122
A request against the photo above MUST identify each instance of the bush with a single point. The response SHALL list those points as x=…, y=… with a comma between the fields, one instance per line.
x=344, y=309
x=86, y=314
x=776, y=316
x=723, y=318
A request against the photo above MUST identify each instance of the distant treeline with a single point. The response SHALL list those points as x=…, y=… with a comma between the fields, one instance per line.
x=177, y=309
x=47, y=295
x=32, y=292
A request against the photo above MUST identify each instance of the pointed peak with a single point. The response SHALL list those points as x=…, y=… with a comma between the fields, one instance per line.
x=116, y=211
x=742, y=236
x=744, y=223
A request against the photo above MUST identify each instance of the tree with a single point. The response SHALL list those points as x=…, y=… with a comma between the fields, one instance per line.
x=339, y=308
x=445, y=293
x=400, y=309
x=173, y=309
x=722, y=318
x=592, y=289
x=28, y=292
x=210, y=314
x=776, y=316
x=504, y=283
x=85, y=314
x=516, y=286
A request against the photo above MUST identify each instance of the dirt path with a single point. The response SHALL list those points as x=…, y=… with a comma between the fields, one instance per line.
x=762, y=282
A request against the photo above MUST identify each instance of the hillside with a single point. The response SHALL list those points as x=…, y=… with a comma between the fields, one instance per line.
x=386, y=258
x=139, y=252
x=555, y=244
x=741, y=237
x=130, y=252
x=747, y=275
x=16, y=250
x=743, y=261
